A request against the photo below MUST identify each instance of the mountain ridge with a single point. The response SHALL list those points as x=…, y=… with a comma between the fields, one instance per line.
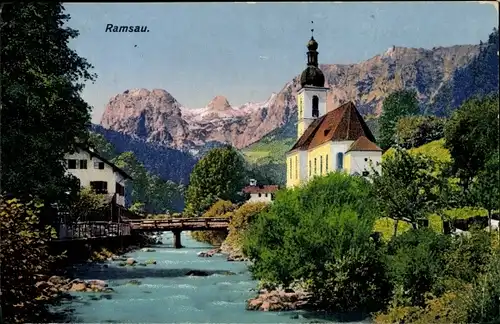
x=156, y=116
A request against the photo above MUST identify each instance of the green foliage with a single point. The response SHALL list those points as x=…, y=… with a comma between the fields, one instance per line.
x=398, y=104
x=320, y=233
x=219, y=175
x=24, y=256
x=468, y=256
x=485, y=295
x=416, y=259
x=471, y=136
x=485, y=189
x=221, y=208
x=101, y=145
x=88, y=206
x=138, y=208
x=406, y=189
x=43, y=114
x=240, y=222
x=415, y=131
x=156, y=195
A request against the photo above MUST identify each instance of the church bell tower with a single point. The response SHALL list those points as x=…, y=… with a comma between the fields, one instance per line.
x=311, y=98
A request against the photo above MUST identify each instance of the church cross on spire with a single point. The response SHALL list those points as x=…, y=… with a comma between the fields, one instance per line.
x=312, y=29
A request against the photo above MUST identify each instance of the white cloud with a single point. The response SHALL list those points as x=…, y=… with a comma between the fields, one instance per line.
x=262, y=57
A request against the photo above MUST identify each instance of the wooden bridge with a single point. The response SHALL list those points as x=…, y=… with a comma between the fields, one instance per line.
x=177, y=225
x=100, y=229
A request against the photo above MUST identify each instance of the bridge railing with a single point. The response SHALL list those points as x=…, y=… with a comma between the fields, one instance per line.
x=97, y=229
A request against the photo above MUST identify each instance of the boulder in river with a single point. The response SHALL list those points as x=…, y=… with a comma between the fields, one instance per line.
x=197, y=273
x=131, y=261
x=134, y=282
x=151, y=261
x=148, y=250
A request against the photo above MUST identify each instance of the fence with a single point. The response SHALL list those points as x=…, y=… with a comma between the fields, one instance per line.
x=88, y=230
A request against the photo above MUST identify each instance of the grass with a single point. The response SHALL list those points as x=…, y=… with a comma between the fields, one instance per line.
x=265, y=151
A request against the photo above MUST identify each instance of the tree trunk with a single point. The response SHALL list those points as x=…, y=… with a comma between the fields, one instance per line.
x=396, y=222
x=489, y=220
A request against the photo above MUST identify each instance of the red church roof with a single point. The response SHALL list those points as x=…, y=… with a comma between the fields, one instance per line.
x=261, y=189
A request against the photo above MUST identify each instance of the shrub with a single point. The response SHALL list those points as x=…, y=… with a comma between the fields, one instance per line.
x=88, y=206
x=485, y=295
x=24, y=258
x=416, y=260
x=222, y=208
x=240, y=221
x=320, y=233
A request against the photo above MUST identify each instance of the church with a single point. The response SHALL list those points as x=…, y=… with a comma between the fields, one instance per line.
x=336, y=140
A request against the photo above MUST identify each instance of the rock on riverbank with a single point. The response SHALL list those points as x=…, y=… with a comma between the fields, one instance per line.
x=278, y=300
x=56, y=285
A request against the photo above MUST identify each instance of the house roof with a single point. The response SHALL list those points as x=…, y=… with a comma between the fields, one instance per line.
x=112, y=165
x=260, y=189
x=364, y=144
x=344, y=123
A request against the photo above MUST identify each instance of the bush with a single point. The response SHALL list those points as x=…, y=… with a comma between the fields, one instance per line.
x=414, y=131
x=485, y=295
x=320, y=234
x=24, y=259
x=222, y=208
x=240, y=222
x=416, y=260
x=88, y=206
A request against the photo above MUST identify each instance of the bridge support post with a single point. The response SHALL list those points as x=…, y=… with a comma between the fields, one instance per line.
x=177, y=239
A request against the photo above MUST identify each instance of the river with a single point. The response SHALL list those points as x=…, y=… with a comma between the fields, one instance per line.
x=167, y=295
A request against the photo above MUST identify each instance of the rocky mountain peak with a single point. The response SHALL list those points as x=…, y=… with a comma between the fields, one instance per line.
x=219, y=103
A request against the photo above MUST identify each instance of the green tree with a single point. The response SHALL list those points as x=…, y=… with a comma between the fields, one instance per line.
x=415, y=131
x=406, y=188
x=217, y=176
x=320, y=234
x=139, y=187
x=471, y=136
x=398, y=104
x=43, y=114
x=485, y=190
x=88, y=206
x=102, y=146
x=24, y=260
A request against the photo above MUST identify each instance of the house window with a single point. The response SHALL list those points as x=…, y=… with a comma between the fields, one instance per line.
x=310, y=167
x=321, y=164
x=265, y=195
x=99, y=165
x=100, y=187
x=315, y=169
x=315, y=106
x=340, y=161
x=290, y=162
x=326, y=163
x=296, y=169
x=365, y=173
x=71, y=164
x=119, y=189
x=260, y=195
x=83, y=164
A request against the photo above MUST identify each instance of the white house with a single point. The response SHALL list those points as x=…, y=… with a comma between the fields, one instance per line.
x=97, y=173
x=260, y=193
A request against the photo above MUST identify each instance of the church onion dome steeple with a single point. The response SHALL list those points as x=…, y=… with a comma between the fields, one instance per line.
x=312, y=76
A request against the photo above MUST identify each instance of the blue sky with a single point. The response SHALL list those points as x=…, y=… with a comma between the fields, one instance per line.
x=245, y=51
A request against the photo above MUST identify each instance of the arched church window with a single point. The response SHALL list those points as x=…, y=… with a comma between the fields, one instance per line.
x=340, y=161
x=315, y=106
